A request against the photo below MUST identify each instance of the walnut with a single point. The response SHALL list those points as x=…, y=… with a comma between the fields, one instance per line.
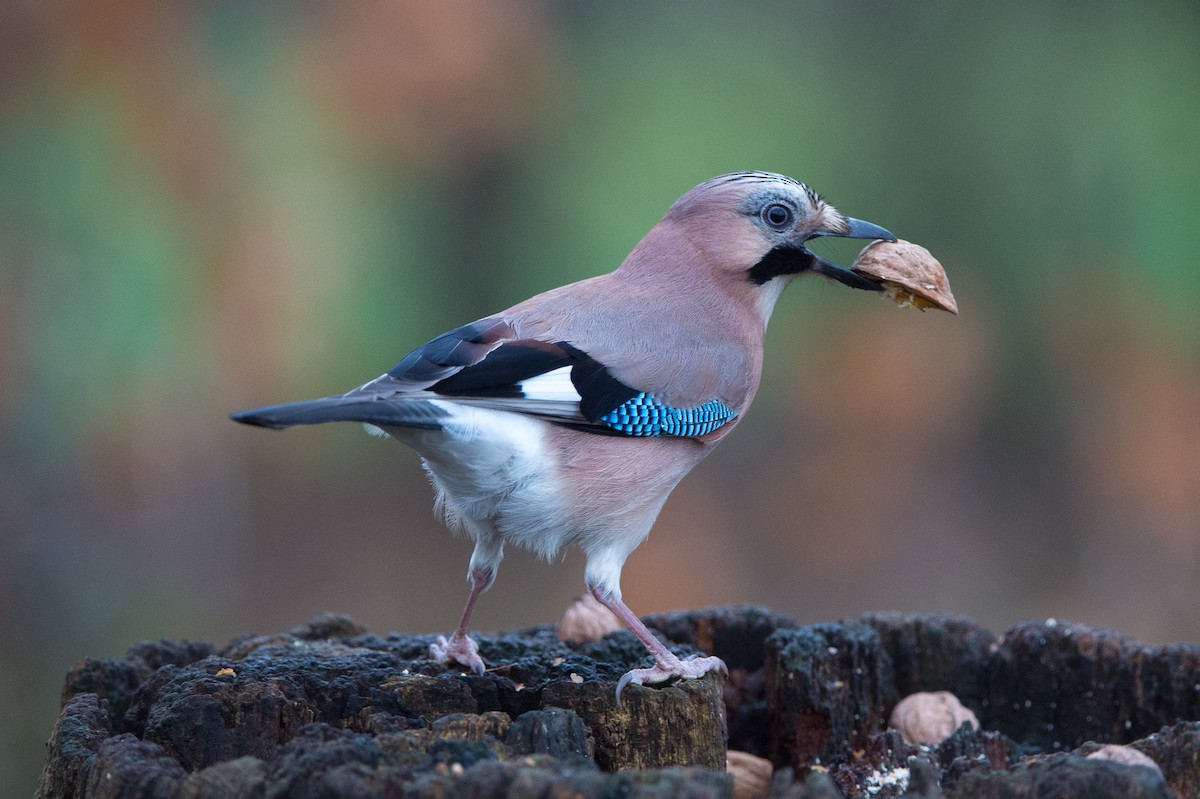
x=751, y=774
x=910, y=275
x=586, y=619
x=1126, y=755
x=930, y=717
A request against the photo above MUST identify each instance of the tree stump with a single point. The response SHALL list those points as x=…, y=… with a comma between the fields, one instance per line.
x=330, y=710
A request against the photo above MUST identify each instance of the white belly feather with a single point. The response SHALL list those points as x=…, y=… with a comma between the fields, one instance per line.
x=490, y=471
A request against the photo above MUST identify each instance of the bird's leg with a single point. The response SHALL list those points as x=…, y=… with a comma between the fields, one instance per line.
x=459, y=647
x=485, y=560
x=666, y=664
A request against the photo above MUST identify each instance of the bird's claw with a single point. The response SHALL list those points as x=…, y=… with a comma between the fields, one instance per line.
x=688, y=669
x=460, y=649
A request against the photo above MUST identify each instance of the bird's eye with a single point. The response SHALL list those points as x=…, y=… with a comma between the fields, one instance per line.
x=777, y=215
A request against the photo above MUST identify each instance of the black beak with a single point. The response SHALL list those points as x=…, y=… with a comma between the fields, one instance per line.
x=856, y=229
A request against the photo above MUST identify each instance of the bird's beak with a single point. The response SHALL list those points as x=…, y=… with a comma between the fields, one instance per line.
x=855, y=229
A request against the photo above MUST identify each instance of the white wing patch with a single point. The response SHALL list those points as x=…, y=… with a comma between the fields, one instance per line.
x=548, y=396
x=555, y=386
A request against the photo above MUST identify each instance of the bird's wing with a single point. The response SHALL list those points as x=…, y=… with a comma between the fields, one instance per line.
x=486, y=364
x=448, y=354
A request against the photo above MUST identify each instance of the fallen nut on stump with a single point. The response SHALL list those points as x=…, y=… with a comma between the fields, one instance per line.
x=586, y=619
x=910, y=275
x=751, y=774
x=1125, y=755
x=930, y=717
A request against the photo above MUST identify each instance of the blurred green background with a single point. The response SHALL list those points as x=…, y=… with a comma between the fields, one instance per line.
x=214, y=204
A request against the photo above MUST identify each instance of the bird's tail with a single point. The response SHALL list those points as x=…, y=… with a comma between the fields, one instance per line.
x=381, y=411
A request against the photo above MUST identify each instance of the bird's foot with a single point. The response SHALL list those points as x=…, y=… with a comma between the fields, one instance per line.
x=458, y=648
x=664, y=669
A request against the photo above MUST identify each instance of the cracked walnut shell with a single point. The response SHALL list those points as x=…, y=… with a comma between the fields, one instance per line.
x=930, y=717
x=1125, y=755
x=751, y=774
x=586, y=619
x=910, y=275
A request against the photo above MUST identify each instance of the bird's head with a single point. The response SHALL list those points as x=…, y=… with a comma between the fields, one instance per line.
x=755, y=227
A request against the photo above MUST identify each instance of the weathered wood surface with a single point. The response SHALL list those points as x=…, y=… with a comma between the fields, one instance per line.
x=329, y=710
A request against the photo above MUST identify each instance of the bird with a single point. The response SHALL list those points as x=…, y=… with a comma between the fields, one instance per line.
x=567, y=419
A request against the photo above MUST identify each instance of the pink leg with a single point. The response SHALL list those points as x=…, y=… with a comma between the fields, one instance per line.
x=666, y=665
x=459, y=648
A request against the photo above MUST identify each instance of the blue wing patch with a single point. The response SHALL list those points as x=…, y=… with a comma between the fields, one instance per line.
x=643, y=415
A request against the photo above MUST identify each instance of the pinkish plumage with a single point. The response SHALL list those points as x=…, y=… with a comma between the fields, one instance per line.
x=569, y=418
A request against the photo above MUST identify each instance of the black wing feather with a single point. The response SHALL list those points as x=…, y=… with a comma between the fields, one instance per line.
x=376, y=410
x=481, y=363
x=448, y=353
x=599, y=391
x=501, y=371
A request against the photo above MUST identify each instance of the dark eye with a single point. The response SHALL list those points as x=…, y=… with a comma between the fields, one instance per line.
x=777, y=215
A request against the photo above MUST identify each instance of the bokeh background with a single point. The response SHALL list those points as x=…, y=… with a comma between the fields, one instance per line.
x=212, y=204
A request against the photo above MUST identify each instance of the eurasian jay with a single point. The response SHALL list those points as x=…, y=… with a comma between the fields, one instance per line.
x=568, y=418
